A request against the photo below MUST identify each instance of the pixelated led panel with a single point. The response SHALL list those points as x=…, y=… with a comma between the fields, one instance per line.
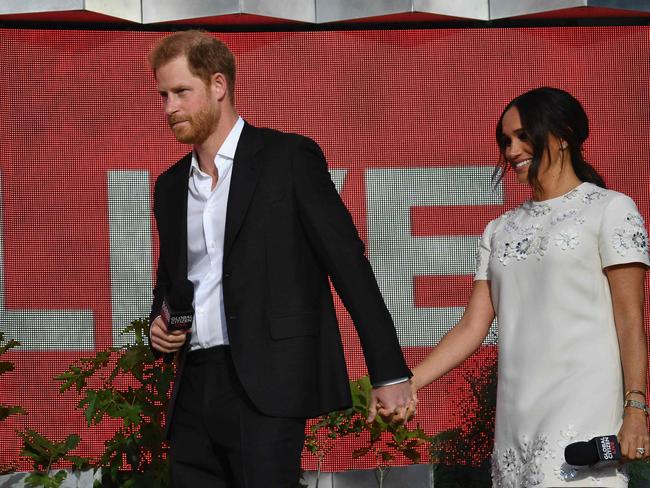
x=406, y=119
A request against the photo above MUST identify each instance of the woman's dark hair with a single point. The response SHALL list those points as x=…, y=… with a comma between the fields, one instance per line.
x=549, y=111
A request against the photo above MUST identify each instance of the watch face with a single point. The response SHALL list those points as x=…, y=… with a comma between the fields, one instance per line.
x=637, y=404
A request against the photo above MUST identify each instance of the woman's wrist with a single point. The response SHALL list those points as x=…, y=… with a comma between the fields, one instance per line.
x=635, y=415
x=637, y=407
x=415, y=381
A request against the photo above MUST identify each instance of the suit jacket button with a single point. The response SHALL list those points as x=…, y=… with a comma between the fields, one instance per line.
x=226, y=275
x=233, y=317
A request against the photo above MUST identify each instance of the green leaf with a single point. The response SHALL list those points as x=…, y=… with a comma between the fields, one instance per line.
x=386, y=456
x=132, y=361
x=89, y=403
x=44, y=452
x=6, y=411
x=412, y=455
x=71, y=442
x=357, y=453
x=43, y=479
x=6, y=366
x=79, y=463
x=9, y=345
x=361, y=393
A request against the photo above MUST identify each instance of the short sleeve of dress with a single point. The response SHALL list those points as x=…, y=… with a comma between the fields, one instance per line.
x=623, y=235
x=483, y=252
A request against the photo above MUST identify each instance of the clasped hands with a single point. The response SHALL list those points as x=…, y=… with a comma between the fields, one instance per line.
x=394, y=403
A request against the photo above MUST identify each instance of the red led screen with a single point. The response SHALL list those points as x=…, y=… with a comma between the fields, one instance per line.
x=406, y=119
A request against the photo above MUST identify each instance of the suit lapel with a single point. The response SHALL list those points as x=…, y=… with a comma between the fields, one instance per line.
x=245, y=173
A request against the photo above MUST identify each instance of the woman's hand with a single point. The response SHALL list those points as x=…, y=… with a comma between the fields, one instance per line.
x=633, y=436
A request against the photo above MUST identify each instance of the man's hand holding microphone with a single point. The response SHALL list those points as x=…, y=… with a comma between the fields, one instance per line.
x=169, y=330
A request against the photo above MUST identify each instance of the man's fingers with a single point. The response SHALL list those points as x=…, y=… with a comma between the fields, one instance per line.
x=166, y=341
x=372, y=410
x=165, y=345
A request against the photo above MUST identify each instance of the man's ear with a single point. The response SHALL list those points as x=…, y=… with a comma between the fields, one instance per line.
x=219, y=85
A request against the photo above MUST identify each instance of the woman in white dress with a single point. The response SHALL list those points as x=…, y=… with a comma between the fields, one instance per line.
x=564, y=274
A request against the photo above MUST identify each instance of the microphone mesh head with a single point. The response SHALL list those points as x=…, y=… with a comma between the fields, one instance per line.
x=581, y=454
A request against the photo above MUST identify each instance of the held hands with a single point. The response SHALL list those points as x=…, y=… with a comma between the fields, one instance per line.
x=163, y=340
x=394, y=403
x=633, y=436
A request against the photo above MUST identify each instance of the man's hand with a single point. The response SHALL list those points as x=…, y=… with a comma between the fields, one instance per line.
x=163, y=340
x=394, y=403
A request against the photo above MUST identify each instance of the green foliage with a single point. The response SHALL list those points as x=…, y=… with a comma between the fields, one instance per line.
x=341, y=423
x=8, y=410
x=639, y=472
x=135, y=457
x=127, y=384
x=44, y=453
x=45, y=479
x=385, y=439
x=7, y=367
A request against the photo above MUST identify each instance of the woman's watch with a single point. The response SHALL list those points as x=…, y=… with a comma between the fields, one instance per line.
x=637, y=404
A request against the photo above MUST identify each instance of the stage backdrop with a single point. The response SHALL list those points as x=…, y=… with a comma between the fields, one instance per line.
x=406, y=119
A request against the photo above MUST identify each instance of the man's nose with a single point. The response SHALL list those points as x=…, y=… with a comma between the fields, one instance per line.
x=170, y=105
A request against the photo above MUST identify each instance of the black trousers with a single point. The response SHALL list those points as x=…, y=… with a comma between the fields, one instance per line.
x=220, y=440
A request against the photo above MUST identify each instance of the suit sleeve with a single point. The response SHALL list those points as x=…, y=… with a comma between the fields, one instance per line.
x=334, y=238
x=162, y=276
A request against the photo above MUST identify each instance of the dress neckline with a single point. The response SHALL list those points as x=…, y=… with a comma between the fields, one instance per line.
x=560, y=197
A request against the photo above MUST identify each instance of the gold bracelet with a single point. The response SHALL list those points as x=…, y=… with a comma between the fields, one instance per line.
x=638, y=392
x=637, y=404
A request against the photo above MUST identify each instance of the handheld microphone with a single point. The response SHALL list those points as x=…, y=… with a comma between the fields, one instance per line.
x=177, y=311
x=599, y=452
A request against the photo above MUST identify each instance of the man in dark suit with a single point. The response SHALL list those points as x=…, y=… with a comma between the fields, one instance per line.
x=253, y=220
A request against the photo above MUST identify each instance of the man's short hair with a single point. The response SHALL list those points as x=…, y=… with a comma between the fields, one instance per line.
x=205, y=55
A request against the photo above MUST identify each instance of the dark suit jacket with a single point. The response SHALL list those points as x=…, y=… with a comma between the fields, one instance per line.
x=287, y=231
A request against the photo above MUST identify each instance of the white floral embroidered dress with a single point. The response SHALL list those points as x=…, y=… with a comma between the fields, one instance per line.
x=560, y=378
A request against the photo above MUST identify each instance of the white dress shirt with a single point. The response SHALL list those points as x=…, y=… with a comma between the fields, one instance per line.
x=206, y=224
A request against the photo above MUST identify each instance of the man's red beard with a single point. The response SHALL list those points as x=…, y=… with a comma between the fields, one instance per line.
x=196, y=128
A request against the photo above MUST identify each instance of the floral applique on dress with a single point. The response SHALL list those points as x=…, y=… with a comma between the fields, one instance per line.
x=571, y=213
x=536, y=209
x=520, y=466
x=571, y=195
x=567, y=239
x=631, y=237
x=528, y=241
x=592, y=196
